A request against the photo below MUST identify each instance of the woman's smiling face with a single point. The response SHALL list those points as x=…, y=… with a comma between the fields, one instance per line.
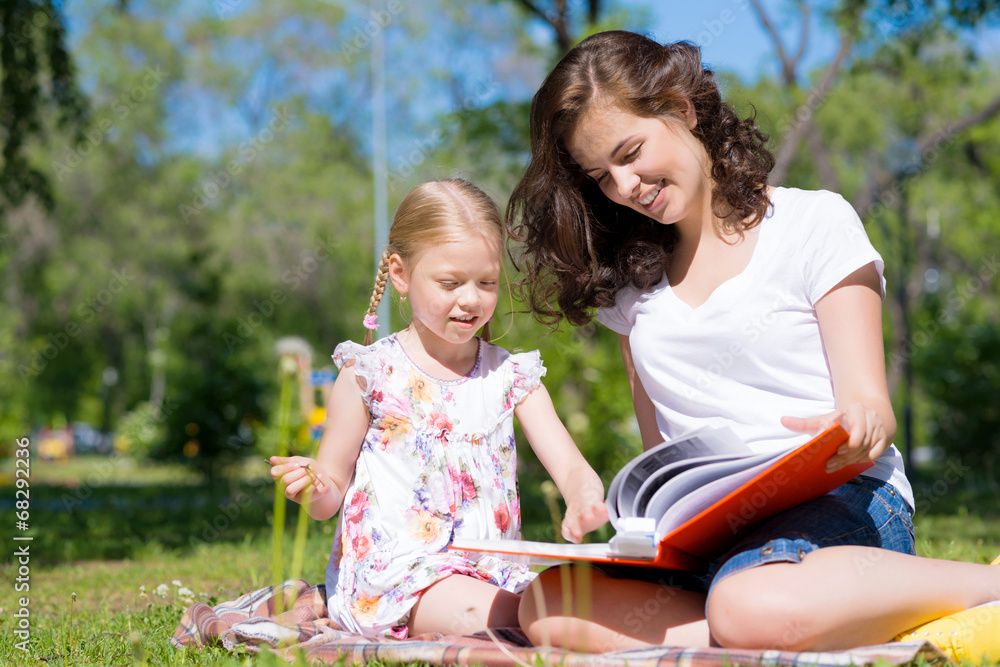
x=652, y=165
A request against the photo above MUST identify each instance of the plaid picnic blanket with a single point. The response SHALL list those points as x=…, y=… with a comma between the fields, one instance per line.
x=305, y=627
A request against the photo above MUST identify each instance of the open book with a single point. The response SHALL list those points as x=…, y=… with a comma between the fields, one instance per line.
x=683, y=502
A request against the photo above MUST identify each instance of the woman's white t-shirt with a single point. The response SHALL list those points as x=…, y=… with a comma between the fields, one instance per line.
x=752, y=353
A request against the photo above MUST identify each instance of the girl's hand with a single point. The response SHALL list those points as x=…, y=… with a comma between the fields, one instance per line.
x=583, y=517
x=299, y=473
x=577, y=482
x=868, y=435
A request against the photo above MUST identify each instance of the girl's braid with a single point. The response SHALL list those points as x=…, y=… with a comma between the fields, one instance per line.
x=380, y=281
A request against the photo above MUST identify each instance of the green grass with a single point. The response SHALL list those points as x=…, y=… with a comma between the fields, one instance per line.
x=99, y=470
x=126, y=611
x=121, y=537
x=128, y=551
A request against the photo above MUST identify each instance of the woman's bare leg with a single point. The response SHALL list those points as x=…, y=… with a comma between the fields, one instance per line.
x=461, y=605
x=841, y=597
x=584, y=610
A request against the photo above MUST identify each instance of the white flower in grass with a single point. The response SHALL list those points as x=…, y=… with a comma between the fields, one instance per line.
x=142, y=589
x=184, y=591
x=177, y=583
x=162, y=590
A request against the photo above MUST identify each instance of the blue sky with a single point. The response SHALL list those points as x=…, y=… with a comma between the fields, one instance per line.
x=729, y=33
x=731, y=36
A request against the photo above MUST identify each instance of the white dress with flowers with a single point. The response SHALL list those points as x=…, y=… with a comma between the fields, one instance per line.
x=438, y=462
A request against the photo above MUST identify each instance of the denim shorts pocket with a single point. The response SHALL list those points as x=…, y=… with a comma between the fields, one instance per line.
x=892, y=513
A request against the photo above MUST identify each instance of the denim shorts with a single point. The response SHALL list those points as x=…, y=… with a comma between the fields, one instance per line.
x=862, y=512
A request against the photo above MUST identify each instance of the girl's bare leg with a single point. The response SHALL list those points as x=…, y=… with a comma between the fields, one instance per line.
x=461, y=605
x=842, y=597
x=584, y=610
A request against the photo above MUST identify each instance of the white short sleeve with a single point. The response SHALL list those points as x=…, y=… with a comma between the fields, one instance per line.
x=620, y=318
x=364, y=361
x=525, y=371
x=835, y=246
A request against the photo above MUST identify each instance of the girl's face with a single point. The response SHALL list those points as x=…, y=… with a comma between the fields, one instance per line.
x=652, y=165
x=452, y=287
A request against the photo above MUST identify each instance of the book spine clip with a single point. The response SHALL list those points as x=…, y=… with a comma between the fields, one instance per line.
x=640, y=545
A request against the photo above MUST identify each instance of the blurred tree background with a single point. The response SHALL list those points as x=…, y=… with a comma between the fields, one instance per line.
x=185, y=184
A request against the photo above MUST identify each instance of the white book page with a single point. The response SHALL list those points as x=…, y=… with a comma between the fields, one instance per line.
x=612, y=501
x=536, y=552
x=665, y=477
x=702, y=498
x=701, y=443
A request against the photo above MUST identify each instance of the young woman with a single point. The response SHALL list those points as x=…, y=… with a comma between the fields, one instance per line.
x=736, y=304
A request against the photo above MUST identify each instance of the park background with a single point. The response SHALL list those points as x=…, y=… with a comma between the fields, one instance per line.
x=185, y=185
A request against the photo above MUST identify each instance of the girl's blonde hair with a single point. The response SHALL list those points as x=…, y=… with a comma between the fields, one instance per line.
x=432, y=213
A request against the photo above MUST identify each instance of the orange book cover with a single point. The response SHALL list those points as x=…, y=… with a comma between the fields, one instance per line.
x=731, y=493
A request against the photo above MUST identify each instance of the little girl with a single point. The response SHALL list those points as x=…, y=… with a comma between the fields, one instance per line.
x=419, y=442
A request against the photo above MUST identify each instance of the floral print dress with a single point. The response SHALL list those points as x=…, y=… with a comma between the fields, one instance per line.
x=438, y=462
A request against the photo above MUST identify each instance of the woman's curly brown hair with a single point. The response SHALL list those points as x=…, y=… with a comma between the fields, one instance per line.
x=579, y=249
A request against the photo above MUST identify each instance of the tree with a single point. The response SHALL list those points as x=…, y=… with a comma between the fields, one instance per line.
x=560, y=19
x=214, y=391
x=935, y=93
x=960, y=373
x=38, y=77
x=274, y=214
x=913, y=29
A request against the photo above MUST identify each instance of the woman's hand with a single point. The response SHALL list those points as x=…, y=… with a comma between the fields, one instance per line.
x=299, y=474
x=868, y=435
x=582, y=517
